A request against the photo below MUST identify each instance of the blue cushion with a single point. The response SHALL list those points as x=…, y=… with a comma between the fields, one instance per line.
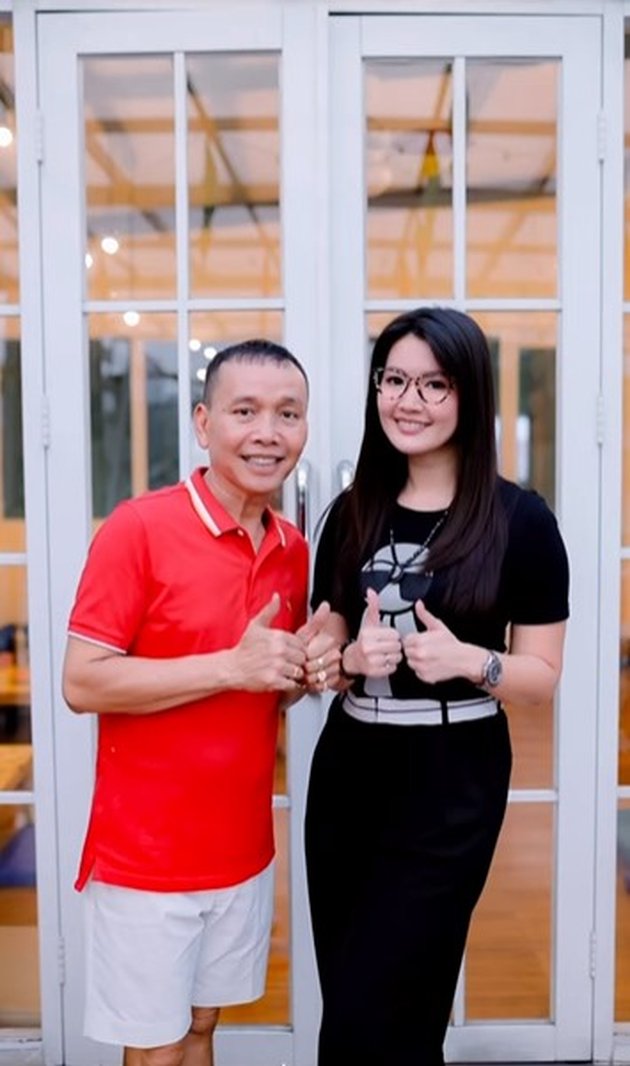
x=17, y=860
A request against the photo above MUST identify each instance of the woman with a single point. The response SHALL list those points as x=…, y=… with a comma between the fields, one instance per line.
x=428, y=560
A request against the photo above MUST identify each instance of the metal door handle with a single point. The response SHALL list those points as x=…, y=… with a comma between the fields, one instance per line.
x=345, y=474
x=302, y=498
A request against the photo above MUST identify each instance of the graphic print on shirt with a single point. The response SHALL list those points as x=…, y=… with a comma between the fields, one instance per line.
x=397, y=573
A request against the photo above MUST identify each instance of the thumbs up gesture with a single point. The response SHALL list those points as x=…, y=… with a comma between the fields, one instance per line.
x=321, y=668
x=267, y=659
x=432, y=653
x=377, y=650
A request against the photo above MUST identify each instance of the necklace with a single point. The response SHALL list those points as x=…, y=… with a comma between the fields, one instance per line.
x=399, y=569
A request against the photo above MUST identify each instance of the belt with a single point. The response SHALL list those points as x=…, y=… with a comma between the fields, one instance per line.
x=384, y=710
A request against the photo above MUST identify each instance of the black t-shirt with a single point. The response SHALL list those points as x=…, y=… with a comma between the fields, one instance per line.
x=533, y=587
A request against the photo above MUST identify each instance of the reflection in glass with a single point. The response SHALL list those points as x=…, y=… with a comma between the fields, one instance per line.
x=130, y=176
x=511, y=177
x=19, y=973
x=625, y=495
x=234, y=174
x=15, y=694
x=133, y=407
x=12, y=537
x=626, y=157
x=211, y=331
x=508, y=960
x=624, y=677
x=273, y=1008
x=408, y=164
x=9, y=274
x=523, y=346
x=622, y=955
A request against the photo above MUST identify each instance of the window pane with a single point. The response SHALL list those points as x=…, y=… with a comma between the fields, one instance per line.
x=625, y=495
x=408, y=164
x=9, y=280
x=511, y=176
x=626, y=113
x=508, y=960
x=624, y=677
x=523, y=345
x=622, y=976
x=12, y=536
x=15, y=689
x=19, y=951
x=234, y=175
x=133, y=406
x=130, y=177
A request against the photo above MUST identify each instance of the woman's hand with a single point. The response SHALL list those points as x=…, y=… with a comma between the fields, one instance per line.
x=377, y=650
x=434, y=654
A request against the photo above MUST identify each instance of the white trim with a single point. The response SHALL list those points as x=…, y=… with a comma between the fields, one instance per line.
x=605, y=863
x=36, y=503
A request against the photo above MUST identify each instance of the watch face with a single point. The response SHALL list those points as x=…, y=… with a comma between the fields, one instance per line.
x=493, y=670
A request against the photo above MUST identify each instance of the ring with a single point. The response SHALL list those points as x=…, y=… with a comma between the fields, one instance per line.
x=321, y=677
x=320, y=664
x=297, y=673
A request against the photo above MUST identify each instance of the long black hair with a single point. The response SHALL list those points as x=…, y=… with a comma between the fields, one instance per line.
x=471, y=544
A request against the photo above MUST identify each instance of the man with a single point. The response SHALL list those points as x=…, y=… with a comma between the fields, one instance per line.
x=187, y=632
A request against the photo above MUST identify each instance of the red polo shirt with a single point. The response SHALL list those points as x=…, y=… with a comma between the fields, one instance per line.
x=182, y=798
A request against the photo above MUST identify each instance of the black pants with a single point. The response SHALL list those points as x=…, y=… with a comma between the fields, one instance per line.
x=401, y=826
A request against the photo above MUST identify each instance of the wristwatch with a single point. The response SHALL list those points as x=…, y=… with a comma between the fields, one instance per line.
x=492, y=670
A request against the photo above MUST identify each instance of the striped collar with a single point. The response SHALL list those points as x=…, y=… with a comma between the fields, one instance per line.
x=215, y=517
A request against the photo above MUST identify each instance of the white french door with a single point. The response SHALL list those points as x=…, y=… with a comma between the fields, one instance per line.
x=177, y=165
x=253, y=169
x=464, y=151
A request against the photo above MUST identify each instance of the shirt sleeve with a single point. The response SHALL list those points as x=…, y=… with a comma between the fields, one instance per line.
x=326, y=559
x=536, y=565
x=112, y=592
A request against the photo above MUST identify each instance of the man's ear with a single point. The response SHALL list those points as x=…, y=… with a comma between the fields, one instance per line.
x=201, y=421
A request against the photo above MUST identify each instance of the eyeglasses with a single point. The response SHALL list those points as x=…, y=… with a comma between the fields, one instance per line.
x=392, y=384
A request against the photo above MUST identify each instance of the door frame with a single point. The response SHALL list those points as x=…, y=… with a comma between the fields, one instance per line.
x=577, y=41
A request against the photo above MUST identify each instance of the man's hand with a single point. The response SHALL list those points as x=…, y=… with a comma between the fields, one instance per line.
x=266, y=659
x=321, y=669
x=377, y=650
x=432, y=654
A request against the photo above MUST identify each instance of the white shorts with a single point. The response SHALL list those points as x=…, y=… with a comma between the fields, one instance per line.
x=151, y=956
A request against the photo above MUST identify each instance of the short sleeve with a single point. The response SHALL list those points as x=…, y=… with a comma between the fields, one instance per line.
x=326, y=559
x=536, y=567
x=112, y=592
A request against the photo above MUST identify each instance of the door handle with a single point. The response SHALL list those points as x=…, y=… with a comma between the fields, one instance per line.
x=302, y=498
x=345, y=474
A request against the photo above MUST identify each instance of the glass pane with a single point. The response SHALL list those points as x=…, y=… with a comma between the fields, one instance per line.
x=625, y=495
x=508, y=961
x=130, y=177
x=234, y=175
x=511, y=176
x=12, y=535
x=626, y=120
x=523, y=345
x=9, y=276
x=19, y=951
x=133, y=406
x=624, y=677
x=15, y=689
x=408, y=164
x=622, y=974
x=273, y=1008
